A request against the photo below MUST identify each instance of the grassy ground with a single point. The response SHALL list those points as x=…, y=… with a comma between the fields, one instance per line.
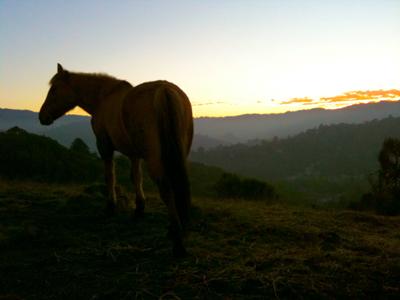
x=56, y=244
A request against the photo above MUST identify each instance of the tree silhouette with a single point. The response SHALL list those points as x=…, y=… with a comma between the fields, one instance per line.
x=389, y=160
x=79, y=146
x=385, y=191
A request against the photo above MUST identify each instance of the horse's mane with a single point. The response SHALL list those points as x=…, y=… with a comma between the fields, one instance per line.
x=94, y=85
x=102, y=76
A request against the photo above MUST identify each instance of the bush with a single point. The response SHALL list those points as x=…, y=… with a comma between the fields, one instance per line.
x=232, y=186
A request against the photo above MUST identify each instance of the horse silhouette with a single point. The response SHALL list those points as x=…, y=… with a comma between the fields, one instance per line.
x=152, y=122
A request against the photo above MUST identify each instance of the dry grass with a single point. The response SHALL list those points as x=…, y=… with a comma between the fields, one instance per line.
x=55, y=243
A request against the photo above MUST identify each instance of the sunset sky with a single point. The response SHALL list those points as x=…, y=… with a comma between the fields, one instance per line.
x=230, y=57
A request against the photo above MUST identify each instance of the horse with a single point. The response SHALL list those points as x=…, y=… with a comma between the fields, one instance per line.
x=150, y=122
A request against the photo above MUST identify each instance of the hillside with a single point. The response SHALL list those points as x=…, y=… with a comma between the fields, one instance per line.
x=330, y=151
x=25, y=155
x=56, y=244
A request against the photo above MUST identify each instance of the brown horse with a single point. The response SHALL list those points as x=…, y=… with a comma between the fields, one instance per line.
x=152, y=122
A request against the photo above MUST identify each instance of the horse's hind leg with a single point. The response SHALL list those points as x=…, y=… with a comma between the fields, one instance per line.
x=175, y=230
x=137, y=179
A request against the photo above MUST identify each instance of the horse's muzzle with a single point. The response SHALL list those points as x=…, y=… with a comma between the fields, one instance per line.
x=45, y=119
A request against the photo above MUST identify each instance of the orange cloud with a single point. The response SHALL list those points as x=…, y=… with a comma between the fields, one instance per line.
x=363, y=95
x=304, y=100
x=353, y=96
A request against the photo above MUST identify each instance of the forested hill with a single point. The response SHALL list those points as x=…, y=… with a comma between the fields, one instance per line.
x=333, y=151
x=25, y=155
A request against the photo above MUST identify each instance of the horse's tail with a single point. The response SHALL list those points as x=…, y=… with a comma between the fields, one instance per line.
x=174, y=152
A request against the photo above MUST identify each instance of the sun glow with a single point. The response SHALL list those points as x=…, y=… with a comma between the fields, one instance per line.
x=230, y=58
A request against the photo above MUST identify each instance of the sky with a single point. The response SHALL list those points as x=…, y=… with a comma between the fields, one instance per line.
x=230, y=57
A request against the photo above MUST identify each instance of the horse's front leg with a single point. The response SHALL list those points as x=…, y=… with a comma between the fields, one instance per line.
x=110, y=183
x=106, y=152
x=137, y=180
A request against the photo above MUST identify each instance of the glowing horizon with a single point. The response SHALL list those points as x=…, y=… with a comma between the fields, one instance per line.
x=294, y=104
x=230, y=57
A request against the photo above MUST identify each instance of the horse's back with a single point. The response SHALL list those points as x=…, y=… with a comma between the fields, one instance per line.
x=146, y=105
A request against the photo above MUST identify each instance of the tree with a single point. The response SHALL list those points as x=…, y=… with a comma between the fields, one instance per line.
x=385, y=190
x=389, y=160
x=79, y=146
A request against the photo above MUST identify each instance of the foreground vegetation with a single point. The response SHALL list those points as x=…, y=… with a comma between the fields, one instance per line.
x=28, y=156
x=55, y=243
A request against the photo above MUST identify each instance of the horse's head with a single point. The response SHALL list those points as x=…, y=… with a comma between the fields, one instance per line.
x=60, y=98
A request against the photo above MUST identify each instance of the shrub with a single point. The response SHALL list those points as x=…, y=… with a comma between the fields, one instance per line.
x=232, y=186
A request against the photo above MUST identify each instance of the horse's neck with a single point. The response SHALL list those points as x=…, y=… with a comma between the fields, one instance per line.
x=91, y=90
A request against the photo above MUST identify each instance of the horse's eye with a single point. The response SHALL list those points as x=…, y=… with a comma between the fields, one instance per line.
x=52, y=89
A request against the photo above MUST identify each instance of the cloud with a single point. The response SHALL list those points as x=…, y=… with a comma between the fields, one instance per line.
x=362, y=96
x=352, y=96
x=304, y=100
x=208, y=103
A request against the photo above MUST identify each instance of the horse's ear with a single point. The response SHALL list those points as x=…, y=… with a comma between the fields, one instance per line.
x=59, y=68
x=62, y=73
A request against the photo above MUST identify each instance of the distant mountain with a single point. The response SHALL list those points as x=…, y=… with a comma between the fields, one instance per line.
x=25, y=119
x=205, y=142
x=249, y=127
x=64, y=130
x=212, y=132
x=28, y=120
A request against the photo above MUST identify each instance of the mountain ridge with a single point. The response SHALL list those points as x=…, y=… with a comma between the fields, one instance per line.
x=214, y=131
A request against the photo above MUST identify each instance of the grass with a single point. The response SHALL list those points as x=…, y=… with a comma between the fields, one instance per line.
x=55, y=243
